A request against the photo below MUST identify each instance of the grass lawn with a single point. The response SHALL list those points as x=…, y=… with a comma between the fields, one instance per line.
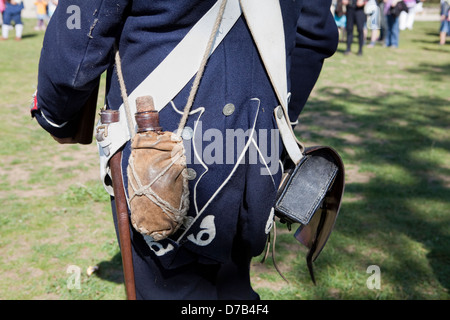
x=387, y=113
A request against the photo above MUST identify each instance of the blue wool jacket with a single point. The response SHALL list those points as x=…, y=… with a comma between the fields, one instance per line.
x=231, y=194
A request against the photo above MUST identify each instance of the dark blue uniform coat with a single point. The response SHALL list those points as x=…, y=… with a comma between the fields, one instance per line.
x=230, y=195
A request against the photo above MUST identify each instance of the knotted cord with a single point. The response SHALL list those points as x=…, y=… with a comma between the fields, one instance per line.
x=176, y=214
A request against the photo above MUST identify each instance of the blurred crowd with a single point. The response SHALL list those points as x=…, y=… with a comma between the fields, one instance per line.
x=11, y=16
x=383, y=20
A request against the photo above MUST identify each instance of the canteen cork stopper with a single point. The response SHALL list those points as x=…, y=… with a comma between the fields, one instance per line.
x=147, y=118
x=145, y=103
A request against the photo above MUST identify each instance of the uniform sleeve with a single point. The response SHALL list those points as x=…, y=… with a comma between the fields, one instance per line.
x=316, y=40
x=77, y=49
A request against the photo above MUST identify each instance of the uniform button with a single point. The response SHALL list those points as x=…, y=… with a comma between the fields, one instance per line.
x=280, y=113
x=190, y=174
x=187, y=133
x=228, y=109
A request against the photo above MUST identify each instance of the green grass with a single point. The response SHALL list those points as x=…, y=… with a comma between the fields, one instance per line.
x=387, y=113
x=55, y=214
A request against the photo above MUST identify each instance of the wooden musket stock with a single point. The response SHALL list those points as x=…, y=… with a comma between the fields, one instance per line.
x=123, y=225
x=83, y=135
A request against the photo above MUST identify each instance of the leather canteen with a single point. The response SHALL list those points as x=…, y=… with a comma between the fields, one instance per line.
x=157, y=183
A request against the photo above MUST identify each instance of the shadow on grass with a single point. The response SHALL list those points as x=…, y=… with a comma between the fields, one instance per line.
x=400, y=209
x=29, y=35
x=432, y=71
x=111, y=270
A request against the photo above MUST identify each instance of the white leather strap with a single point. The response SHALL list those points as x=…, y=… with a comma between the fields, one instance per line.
x=287, y=135
x=164, y=83
x=265, y=22
x=269, y=38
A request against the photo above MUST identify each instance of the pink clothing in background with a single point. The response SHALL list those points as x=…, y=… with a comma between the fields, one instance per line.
x=2, y=5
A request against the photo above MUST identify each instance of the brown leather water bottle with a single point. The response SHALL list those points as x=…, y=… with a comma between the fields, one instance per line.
x=158, y=191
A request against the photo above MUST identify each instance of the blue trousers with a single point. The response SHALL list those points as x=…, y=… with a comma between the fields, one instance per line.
x=393, y=31
x=12, y=13
x=197, y=280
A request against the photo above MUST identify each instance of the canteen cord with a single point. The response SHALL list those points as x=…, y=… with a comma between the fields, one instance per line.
x=195, y=85
x=123, y=91
x=199, y=75
x=175, y=214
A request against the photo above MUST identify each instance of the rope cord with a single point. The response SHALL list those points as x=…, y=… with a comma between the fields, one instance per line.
x=199, y=75
x=195, y=85
x=123, y=90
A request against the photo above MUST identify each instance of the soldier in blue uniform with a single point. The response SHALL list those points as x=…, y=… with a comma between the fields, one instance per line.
x=232, y=189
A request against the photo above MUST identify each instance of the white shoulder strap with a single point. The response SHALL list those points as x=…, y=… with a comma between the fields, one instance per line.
x=165, y=82
x=269, y=38
x=266, y=25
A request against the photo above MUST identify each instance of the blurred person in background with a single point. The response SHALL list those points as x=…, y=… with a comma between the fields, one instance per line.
x=444, y=30
x=12, y=13
x=392, y=10
x=2, y=9
x=340, y=18
x=41, y=14
x=355, y=16
x=372, y=11
x=406, y=18
x=52, y=4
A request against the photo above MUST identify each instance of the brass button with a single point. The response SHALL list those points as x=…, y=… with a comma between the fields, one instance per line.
x=228, y=109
